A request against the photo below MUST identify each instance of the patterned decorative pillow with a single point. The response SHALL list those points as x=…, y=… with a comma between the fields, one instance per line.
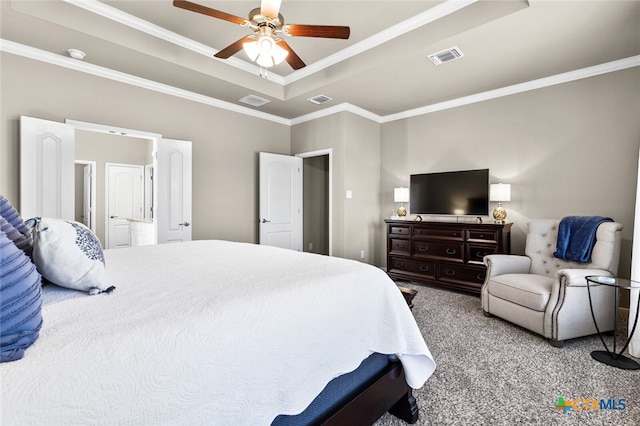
x=68, y=254
x=15, y=227
x=20, y=301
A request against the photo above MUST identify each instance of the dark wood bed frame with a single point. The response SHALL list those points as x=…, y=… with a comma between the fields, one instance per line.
x=387, y=392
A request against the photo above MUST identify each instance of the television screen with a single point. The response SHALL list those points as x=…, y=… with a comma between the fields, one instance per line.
x=450, y=193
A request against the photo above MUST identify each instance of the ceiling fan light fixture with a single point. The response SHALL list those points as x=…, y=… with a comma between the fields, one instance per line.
x=265, y=51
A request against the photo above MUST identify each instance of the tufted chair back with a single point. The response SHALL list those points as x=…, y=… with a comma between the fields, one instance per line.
x=542, y=236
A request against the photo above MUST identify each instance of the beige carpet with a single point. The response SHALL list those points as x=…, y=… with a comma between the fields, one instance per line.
x=490, y=372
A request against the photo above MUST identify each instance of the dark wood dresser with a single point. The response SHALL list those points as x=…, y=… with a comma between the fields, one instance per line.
x=444, y=254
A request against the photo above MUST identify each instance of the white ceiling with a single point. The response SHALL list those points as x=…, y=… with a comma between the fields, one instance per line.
x=382, y=69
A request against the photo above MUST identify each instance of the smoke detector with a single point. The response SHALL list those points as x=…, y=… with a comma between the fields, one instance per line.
x=76, y=54
x=446, y=55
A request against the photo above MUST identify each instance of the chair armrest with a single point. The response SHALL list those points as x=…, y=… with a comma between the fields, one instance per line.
x=500, y=264
x=576, y=277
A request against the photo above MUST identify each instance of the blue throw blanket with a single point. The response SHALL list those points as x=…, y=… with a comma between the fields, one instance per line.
x=577, y=236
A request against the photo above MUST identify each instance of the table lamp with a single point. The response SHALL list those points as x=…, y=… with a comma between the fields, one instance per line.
x=401, y=195
x=500, y=192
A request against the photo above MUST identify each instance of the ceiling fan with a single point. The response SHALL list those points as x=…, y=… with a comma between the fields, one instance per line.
x=265, y=46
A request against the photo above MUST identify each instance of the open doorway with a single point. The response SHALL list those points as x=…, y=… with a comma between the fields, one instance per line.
x=316, y=233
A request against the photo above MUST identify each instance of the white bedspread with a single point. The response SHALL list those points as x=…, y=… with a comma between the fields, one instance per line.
x=207, y=332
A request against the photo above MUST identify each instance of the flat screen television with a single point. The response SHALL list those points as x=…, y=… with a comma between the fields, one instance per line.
x=459, y=193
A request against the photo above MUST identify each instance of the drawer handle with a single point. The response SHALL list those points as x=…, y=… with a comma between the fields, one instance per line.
x=480, y=254
x=481, y=235
x=400, y=245
x=455, y=234
x=450, y=272
x=424, y=248
x=480, y=277
x=399, y=265
x=424, y=268
x=451, y=251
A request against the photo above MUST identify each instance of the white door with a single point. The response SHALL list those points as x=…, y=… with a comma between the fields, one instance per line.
x=281, y=201
x=46, y=168
x=173, y=180
x=124, y=201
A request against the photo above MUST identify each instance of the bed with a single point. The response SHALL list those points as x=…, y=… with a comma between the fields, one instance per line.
x=219, y=332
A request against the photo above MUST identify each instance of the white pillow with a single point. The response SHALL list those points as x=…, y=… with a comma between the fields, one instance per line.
x=68, y=254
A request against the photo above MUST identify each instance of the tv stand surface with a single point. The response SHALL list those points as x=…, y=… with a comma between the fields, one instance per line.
x=442, y=253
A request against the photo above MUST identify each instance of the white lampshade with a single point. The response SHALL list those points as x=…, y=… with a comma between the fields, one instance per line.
x=401, y=195
x=500, y=192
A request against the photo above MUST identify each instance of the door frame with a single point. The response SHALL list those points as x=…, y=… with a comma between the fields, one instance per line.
x=94, y=170
x=320, y=153
x=112, y=130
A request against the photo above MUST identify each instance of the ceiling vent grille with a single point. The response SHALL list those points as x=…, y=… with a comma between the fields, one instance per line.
x=320, y=99
x=254, y=100
x=447, y=55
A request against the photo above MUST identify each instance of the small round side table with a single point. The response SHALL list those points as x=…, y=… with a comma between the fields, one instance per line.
x=611, y=357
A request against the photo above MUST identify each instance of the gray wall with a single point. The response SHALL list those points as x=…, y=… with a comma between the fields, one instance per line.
x=316, y=204
x=569, y=149
x=566, y=149
x=355, y=144
x=225, y=144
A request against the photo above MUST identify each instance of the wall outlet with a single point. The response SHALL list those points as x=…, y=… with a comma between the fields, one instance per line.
x=361, y=254
x=310, y=246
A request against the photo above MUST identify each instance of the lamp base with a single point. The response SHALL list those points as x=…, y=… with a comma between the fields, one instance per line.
x=499, y=214
x=402, y=212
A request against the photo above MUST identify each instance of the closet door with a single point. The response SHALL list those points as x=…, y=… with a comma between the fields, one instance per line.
x=46, y=168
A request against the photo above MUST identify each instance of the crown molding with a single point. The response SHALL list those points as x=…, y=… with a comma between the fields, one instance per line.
x=117, y=15
x=74, y=64
x=62, y=61
x=540, y=83
x=430, y=15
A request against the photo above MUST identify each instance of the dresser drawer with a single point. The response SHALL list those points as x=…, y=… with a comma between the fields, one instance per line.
x=426, y=269
x=476, y=252
x=399, y=230
x=398, y=245
x=450, y=251
x=453, y=234
x=483, y=235
x=461, y=274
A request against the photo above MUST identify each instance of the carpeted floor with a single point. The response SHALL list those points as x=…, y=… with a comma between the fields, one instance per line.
x=490, y=372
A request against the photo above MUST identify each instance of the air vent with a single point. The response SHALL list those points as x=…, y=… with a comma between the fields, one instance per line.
x=254, y=100
x=320, y=99
x=448, y=55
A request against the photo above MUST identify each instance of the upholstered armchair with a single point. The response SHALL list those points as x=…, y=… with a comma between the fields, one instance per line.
x=548, y=295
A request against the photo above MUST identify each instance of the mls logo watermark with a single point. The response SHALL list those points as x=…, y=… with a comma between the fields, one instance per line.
x=590, y=404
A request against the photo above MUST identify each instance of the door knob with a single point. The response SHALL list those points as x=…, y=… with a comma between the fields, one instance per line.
x=184, y=224
x=265, y=221
x=113, y=217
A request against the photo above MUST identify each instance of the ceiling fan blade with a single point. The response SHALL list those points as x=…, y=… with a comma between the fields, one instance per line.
x=324, y=31
x=270, y=8
x=187, y=5
x=292, y=58
x=233, y=48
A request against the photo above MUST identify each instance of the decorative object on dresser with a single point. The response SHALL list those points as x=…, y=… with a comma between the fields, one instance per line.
x=499, y=192
x=401, y=195
x=444, y=254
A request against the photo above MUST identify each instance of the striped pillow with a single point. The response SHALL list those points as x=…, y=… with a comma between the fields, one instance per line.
x=20, y=301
